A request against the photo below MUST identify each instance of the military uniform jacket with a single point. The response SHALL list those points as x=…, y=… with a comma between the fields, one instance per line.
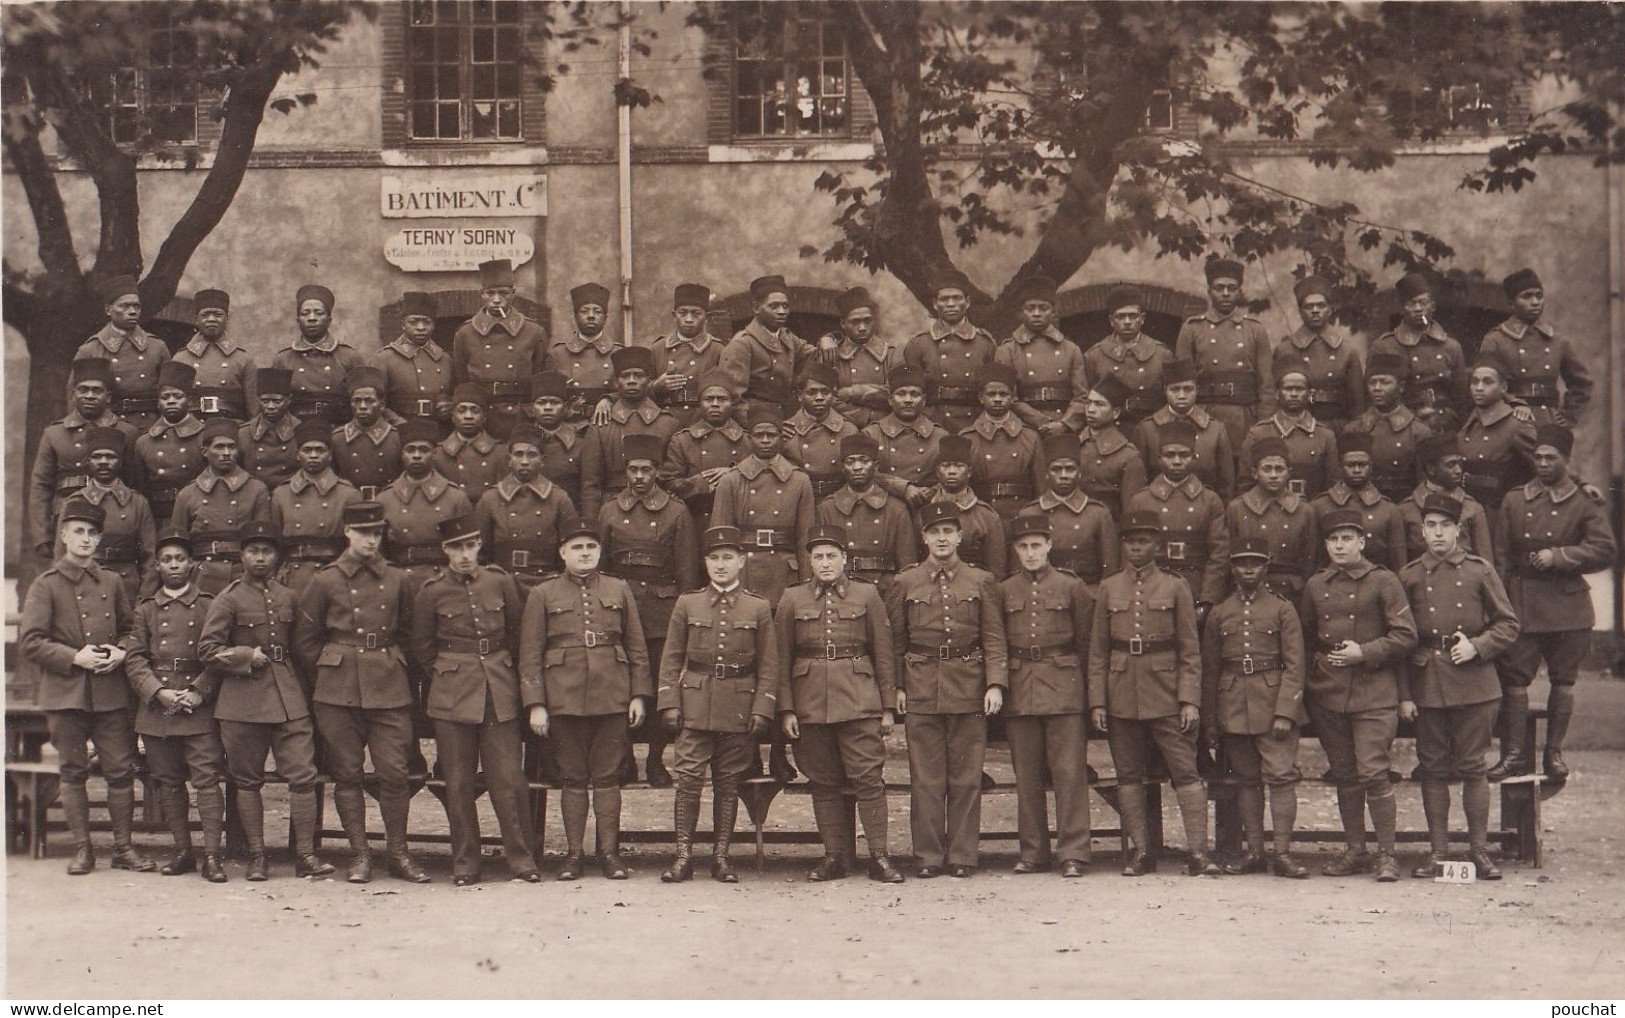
x=675, y=355
x=696, y=449
x=473, y=464
x=1438, y=371
x=951, y=360
x=586, y=362
x=1537, y=357
x=224, y=378
x=319, y=370
x=245, y=617
x=1287, y=522
x=1384, y=523
x=1050, y=378
x=562, y=450
x=165, y=459
x=1137, y=365
x=1475, y=524
x=815, y=446
x=1252, y=664
x=1007, y=461
x=69, y=607
x=309, y=513
x=907, y=450
x=1048, y=617
x=1311, y=451
x=650, y=543
x=772, y=502
x=1367, y=605
x=837, y=642
x=982, y=542
x=213, y=508
x=508, y=349
x=762, y=365
x=367, y=457
x=1576, y=529
x=1213, y=459
x=347, y=630
x=1192, y=517
x=1336, y=375
x=947, y=625
x=465, y=635
x=414, y=511
x=721, y=664
x=1083, y=535
x=603, y=465
x=880, y=535
x=582, y=650
x=863, y=394
x=1149, y=611
x=1394, y=434
x=1456, y=593
x=267, y=449
x=417, y=379
x=127, y=535
x=1110, y=468
x=60, y=469
x=134, y=358
x=163, y=654
x=1500, y=453
x=520, y=523
x=1232, y=357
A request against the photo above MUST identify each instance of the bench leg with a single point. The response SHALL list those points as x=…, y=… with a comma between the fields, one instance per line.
x=849, y=816
x=1520, y=810
x=538, y=805
x=1153, y=819
x=1227, y=826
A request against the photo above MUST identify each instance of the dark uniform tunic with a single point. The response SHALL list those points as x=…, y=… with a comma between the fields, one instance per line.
x=224, y=384
x=1437, y=384
x=1333, y=366
x=520, y=526
x=771, y=502
x=1500, y=453
x=908, y=451
x=1192, y=516
x=501, y=354
x=1232, y=357
x=1047, y=621
x=267, y=449
x=473, y=464
x=1537, y=357
x=1311, y=452
x=563, y=448
x=762, y=365
x=982, y=541
x=134, y=358
x=1384, y=523
x=1290, y=526
x=414, y=511
x=880, y=534
x=1110, y=468
x=952, y=363
x=61, y=468
x=815, y=446
x=1475, y=524
x=1007, y=463
x=864, y=373
x=603, y=467
x=650, y=544
x=1051, y=382
x=309, y=513
x=213, y=509
x=695, y=449
x=695, y=358
x=947, y=623
x=368, y=458
x=1213, y=458
x=1083, y=534
x=127, y=534
x=163, y=654
x=166, y=458
x=588, y=364
x=1252, y=673
x=417, y=379
x=1138, y=365
x=319, y=370
x=1395, y=470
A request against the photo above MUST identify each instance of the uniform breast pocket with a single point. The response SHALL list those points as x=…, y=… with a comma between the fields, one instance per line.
x=331, y=657
x=1015, y=605
x=851, y=614
x=1119, y=661
x=490, y=608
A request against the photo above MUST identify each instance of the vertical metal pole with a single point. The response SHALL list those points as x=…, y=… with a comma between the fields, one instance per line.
x=623, y=157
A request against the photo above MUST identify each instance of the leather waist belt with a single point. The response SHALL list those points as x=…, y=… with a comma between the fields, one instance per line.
x=826, y=484
x=832, y=651
x=215, y=549
x=945, y=652
x=1250, y=663
x=1327, y=397
x=1424, y=391
x=1039, y=653
x=527, y=557
x=413, y=406
x=1392, y=480
x=1052, y=394
x=957, y=394
x=71, y=483
x=1188, y=549
x=642, y=557
x=1231, y=388
x=588, y=641
x=165, y=488
x=366, y=641
x=1010, y=489
x=1143, y=403
x=1136, y=645
x=768, y=537
x=312, y=549
x=507, y=389
x=1441, y=642
x=482, y=646
x=1536, y=391
x=421, y=555
x=872, y=564
x=118, y=550
x=135, y=404
x=644, y=574
x=275, y=651
x=717, y=670
x=219, y=400
x=322, y=402
x=178, y=665
x=591, y=393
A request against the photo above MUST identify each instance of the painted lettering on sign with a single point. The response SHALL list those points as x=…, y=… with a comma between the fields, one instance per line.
x=463, y=195
x=457, y=248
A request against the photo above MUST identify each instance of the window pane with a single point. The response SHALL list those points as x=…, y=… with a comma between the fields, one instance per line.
x=485, y=45
x=508, y=46
x=748, y=116
x=480, y=12
x=507, y=12
x=749, y=79
x=422, y=12
x=126, y=125
x=448, y=42
x=446, y=81
x=482, y=83
x=833, y=114
x=834, y=77
x=508, y=80
x=423, y=120
x=420, y=46
x=483, y=119
x=773, y=118
x=451, y=120
x=508, y=118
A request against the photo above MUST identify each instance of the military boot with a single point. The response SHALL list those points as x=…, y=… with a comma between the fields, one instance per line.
x=1475, y=802
x=251, y=813
x=1385, y=818
x=351, y=803
x=121, y=806
x=1131, y=803
x=606, y=810
x=1355, y=859
x=1515, y=753
x=211, y=812
x=396, y=808
x=1250, y=800
x=573, y=806
x=76, y=807
x=685, y=817
x=724, y=811
x=1559, y=712
x=1436, y=808
x=302, y=806
x=176, y=806
x=1193, y=811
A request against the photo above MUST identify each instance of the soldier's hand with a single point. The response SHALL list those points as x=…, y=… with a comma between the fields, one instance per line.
x=888, y=721
x=636, y=712
x=259, y=660
x=1407, y=710
x=1346, y=653
x=1281, y=728
x=1097, y=718
x=759, y=727
x=1523, y=413
x=791, y=725
x=600, y=413
x=1592, y=492
x=917, y=496
x=1462, y=651
x=993, y=700
x=1189, y=717
x=89, y=658
x=672, y=719
x=539, y=721
x=1054, y=428
x=671, y=381
x=1543, y=559
x=902, y=701
x=1202, y=608
x=169, y=699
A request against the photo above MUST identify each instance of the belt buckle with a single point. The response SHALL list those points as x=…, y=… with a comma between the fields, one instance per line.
x=521, y=558
x=483, y=646
x=589, y=638
x=1034, y=654
x=1295, y=485
x=175, y=664
x=942, y=652
x=425, y=407
x=276, y=652
x=372, y=641
x=369, y=492
x=1446, y=641
x=1247, y=664
x=829, y=652
x=1176, y=550
x=208, y=404
x=1224, y=388
x=1136, y=646
x=719, y=671
x=764, y=538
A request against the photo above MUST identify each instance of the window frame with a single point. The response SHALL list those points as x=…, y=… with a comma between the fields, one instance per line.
x=105, y=87
x=787, y=60
x=466, y=28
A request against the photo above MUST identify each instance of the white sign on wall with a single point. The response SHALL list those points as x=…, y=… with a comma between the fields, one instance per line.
x=457, y=248
x=457, y=194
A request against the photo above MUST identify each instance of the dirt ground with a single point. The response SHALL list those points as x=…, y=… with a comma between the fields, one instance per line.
x=1554, y=932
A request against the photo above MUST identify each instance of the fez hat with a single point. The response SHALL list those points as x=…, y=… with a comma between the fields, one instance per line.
x=939, y=512
x=821, y=373
x=642, y=447
x=82, y=509
x=549, y=383
x=1036, y=288
x=524, y=434
x=1434, y=448
x=313, y=291
x=419, y=429
x=1354, y=441
x=1518, y=282
x=859, y=445
x=763, y=413
x=1004, y=374
x=950, y=279
x=176, y=375
x=1224, y=268
x=459, y=528
x=1123, y=296
x=1494, y=361
x=220, y=427
x=826, y=535
x=1309, y=285
x=1556, y=436
x=1029, y=524
x=93, y=369
x=764, y=286
x=112, y=289
x=906, y=376
x=211, y=299
x=691, y=295
x=1061, y=447
x=851, y=300
x=496, y=273
x=365, y=377
x=954, y=449
x=715, y=379
x=97, y=439
x=313, y=431
x=1269, y=446
x=416, y=302
x=1113, y=390
x=1178, y=431
x=589, y=293
x=470, y=392
x=625, y=358
x=1177, y=371
x=273, y=381
x=1388, y=364
x=1412, y=285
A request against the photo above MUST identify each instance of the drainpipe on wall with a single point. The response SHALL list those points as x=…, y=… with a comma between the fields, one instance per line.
x=1615, y=410
x=623, y=163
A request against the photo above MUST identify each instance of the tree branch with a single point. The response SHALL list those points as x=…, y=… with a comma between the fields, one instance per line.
x=20, y=306
x=38, y=178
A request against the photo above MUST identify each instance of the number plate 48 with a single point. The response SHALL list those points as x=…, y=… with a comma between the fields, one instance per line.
x=1456, y=873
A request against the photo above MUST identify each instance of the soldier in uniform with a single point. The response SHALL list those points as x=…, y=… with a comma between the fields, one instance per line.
x=1323, y=351
x=470, y=457
x=167, y=455
x=953, y=355
x=1464, y=622
x=764, y=357
x=1252, y=703
x=1442, y=466
x=687, y=354
x=1394, y=429
x=82, y=687
x=1083, y=536
x=1192, y=516
x=417, y=372
x=266, y=441
x=318, y=360
x=907, y=437
x=128, y=529
x=1130, y=356
x=1311, y=446
x=563, y=439
x=1231, y=351
x=216, y=505
x=262, y=706
x=982, y=534
x=1536, y=356
x=584, y=665
x=498, y=350
x=1145, y=690
x=837, y=702
x=367, y=448
x=1214, y=461
x=1545, y=542
x=1436, y=370
x=1497, y=445
x=1050, y=379
x=465, y=635
x=587, y=357
x=1282, y=517
x=879, y=533
x=1007, y=461
x=1110, y=468
x=864, y=362
x=815, y=432
x=60, y=464
x=771, y=501
x=417, y=502
x=133, y=354
x=308, y=510
x=719, y=682
x=947, y=621
x=1048, y=615
x=631, y=412
x=346, y=636
x=174, y=710
x=700, y=453
x=520, y=517
x=225, y=372
x=1384, y=521
x=649, y=541
x=1359, y=629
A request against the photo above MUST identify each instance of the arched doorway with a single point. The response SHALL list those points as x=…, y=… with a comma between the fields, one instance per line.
x=813, y=312
x=1083, y=317
x=452, y=309
x=1466, y=308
